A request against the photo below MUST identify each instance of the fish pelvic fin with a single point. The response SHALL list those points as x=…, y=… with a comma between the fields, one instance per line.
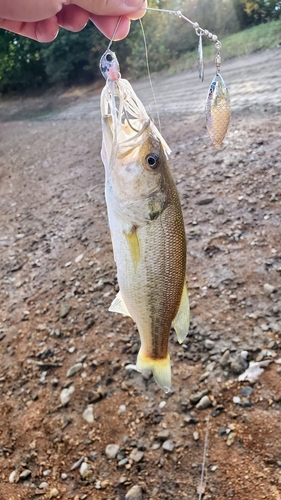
x=161, y=369
x=119, y=306
x=181, y=321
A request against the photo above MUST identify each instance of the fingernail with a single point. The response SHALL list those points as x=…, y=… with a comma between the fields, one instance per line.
x=136, y=4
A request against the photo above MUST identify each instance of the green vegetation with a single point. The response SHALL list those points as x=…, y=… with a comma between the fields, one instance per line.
x=264, y=36
x=243, y=26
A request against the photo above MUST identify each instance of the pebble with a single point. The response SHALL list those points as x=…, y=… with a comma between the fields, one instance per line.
x=204, y=376
x=220, y=210
x=246, y=391
x=164, y=434
x=236, y=400
x=136, y=455
x=63, y=475
x=168, y=445
x=209, y=344
x=25, y=473
x=204, y=403
x=162, y=404
x=79, y=258
x=194, y=398
x=134, y=493
x=121, y=409
x=43, y=485
x=190, y=420
x=92, y=455
x=225, y=359
x=237, y=367
x=74, y=369
x=83, y=468
x=12, y=476
x=268, y=289
x=195, y=435
x=53, y=493
x=66, y=394
x=88, y=414
x=111, y=451
x=46, y=472
x=64, y=310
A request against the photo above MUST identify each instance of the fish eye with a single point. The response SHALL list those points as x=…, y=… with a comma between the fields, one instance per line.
x=109, y=57
x=152, y=160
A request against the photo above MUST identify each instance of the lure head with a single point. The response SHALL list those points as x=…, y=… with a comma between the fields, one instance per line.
x=109, y=66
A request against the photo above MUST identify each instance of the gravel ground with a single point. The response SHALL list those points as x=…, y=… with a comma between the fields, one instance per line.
x=75, y=423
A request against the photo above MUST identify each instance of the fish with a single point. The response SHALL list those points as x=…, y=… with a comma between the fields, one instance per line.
x=217, y=110
x=146, y=225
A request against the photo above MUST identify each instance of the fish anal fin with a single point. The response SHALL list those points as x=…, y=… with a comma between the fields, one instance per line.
x=161, y=369
x=181, y=321
x=119, y=306
x=134, y=245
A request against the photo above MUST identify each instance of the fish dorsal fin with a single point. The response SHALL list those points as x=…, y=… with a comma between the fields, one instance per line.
x=181, y=321
x=119, y=306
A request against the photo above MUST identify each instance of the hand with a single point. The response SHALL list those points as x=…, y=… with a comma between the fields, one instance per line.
x=41, y=19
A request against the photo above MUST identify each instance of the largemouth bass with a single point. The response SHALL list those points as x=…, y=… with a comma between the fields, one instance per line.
x=146, y=223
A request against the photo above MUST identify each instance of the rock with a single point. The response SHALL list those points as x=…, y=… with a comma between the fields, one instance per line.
x=104, y=484
x=54, y=493
x=164, y=434
x=111, y=451
x=220, y=210
x=168, y=445
x=246, y=391
x=162, y=404
x=25, y=473
x=204, y=403
x=43, y=485
x=63, y=475
x=134, y=493
x=237, y=366
x=66, y=394
x=83, y=469
x=64, y=310
x=194, y=398
x=268, y=289
x=209, y=344
x=204, y=376
x=224, y=361
x=13, y=476
x=230, y=438
x=92, y=455
x=190, y=420
x=79, y=258
x=74, y=369
x=88, y=414
x=236, y=400
x=121, y=409
x=195, y=435
x=136, y=455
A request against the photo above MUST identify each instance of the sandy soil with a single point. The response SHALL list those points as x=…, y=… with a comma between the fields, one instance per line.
x=58, y=279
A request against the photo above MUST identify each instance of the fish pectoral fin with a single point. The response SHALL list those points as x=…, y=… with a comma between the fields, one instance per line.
x=134, y=245
x=181, y=321
x=161, y=369
x=119, y=306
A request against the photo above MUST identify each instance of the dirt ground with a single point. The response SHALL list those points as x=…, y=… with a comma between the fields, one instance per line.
x=58, y=279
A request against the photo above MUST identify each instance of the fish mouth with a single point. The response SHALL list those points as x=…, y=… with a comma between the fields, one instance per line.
x=125, y=122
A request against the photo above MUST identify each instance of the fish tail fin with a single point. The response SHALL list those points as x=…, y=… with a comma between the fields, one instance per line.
x=161, y=369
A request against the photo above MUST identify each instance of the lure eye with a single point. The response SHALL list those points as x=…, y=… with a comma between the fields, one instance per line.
x=109, y=57
x=152, y=160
